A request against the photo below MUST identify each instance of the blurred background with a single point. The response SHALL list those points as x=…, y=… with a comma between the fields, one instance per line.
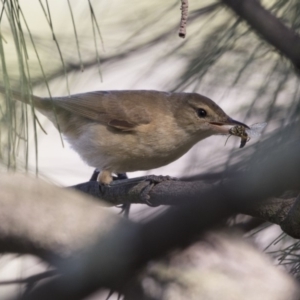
x=56, y=48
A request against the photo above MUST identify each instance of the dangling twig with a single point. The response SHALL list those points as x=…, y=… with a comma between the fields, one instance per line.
x=184, y=15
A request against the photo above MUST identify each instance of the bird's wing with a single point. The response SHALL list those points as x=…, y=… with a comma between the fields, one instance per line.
x=123, y=110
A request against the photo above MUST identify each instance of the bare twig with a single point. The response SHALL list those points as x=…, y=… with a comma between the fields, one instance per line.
x=184, y=16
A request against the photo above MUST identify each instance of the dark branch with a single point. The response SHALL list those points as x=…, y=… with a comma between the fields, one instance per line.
x=128, y=247
x=284, y=39
x=73, y=232
x=281, y=211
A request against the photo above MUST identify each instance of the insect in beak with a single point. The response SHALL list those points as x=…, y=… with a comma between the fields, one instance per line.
x=246, y=133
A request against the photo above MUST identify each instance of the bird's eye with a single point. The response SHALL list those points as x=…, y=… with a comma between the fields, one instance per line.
x=201, y=113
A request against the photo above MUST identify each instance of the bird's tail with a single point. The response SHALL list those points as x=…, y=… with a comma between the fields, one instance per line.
x=37, y=102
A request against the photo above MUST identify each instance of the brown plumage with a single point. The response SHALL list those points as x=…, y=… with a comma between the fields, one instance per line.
x=123, y=131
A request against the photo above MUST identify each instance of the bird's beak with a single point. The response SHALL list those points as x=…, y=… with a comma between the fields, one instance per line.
x=218, y=126
x=230, y=121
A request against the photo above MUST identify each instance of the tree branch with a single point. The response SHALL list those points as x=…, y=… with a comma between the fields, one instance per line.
x=281, y=211
x=75, y=234
x=48, y=221
x=176, y=228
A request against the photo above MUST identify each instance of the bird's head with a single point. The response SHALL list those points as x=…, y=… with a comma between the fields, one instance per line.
x=202, y=117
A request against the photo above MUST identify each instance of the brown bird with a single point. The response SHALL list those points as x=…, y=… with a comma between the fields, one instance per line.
x=125, y=131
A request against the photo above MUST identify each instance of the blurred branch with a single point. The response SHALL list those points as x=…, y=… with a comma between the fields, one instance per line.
x=94, y=248
x=250, y=225
x=284, y=39
x=48, y=221
x=128, y=246
x=224, y=255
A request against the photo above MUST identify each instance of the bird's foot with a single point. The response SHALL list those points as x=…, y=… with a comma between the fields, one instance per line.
x=151, y=180
x=154, y=180
x=148, y=182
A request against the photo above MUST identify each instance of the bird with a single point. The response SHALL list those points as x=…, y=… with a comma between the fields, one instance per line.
x=120, y=131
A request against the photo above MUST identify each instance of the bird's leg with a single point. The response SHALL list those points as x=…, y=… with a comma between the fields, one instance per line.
x=105, y=177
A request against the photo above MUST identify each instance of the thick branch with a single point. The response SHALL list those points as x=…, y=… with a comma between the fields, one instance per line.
x=111, y=250
x=176, y=227
x=222, y=261
x=281, y=211
x=284, y=39
x=51, y=222
x=48, y=221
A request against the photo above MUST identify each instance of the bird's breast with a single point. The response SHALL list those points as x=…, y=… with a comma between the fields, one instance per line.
x=148, y=147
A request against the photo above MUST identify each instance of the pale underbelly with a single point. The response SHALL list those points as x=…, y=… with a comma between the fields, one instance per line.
x=127, y=158
x=128, y=152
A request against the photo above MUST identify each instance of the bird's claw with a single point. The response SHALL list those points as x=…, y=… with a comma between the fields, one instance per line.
x=144, y=186
x=159, y=178
x=153, y=179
